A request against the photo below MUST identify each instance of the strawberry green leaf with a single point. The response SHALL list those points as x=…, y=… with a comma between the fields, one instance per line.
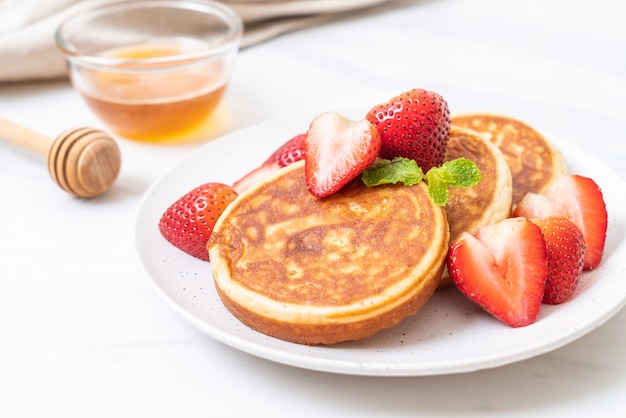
x=398, y=170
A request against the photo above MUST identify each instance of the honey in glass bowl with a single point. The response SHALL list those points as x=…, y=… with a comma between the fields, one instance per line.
x=151, y=70
x=153, y=105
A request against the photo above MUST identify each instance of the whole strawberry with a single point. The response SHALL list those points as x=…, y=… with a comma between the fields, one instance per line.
x=565, y=248
x=415, y=125
x=188, y=222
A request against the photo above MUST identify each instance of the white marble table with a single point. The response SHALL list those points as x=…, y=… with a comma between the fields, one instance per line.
x=82, y=332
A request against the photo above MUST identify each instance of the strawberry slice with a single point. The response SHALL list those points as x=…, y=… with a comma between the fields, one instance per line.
x=336, y=151
x=503, y=268
x=290, y=152
x=188, y=223
x=578, y=199
x=255, y=176
x=565, y=248
x=415, y=125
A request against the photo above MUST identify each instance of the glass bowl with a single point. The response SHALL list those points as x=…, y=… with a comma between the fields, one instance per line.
x=151, y=69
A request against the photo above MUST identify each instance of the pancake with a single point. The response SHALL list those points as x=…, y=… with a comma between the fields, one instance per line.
x=322, y=271
x=532, y=158
x=471, y=208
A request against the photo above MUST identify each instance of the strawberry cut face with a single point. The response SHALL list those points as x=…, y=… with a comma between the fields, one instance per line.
x=503, y=268
x=255, y=176
x=288, y=153
x=337, y=150
x=578, y=199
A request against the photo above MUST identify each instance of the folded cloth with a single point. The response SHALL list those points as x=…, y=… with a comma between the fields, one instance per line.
x=27, y=50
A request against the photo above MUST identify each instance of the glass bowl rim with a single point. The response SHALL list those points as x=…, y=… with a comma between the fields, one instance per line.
x=222, y=11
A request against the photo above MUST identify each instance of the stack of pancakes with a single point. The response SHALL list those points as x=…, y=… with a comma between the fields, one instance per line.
x=323, y=271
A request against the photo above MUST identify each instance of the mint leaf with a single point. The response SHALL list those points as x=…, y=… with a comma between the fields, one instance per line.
x=438, y=190
x=455, y=173
x=398, y=170
x=460, y=172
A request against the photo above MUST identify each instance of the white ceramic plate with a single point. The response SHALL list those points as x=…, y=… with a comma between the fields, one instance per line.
x=449, y=335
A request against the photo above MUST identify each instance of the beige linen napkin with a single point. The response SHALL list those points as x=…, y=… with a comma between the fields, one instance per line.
x=27, y=50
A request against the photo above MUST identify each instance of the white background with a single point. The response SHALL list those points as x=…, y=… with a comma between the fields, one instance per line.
x=83, y=334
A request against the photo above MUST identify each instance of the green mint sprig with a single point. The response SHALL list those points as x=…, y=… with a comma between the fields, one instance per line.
x=460, y=172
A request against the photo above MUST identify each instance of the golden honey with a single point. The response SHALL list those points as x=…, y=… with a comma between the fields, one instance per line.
x=142, y=99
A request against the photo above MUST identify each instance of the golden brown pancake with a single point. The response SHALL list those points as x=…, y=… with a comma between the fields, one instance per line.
x=471, y=208
x=533, y=160
x=323, y=271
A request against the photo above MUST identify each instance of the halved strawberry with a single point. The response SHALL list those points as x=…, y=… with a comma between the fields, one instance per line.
x=578, y=199
x=503, y=268
x=415, y=125
x=290, y=152
x=337, y=150
x=188, y=223
x=565, y=248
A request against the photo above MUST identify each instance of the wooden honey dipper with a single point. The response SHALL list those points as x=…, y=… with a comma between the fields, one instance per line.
x=84, y=162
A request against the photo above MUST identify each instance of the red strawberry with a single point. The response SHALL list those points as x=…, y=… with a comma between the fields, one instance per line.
x=188, y=222
x=336, y=151
x=415, y=125
x=565, y=248
x=503, y=268
x=290, y=152
x=578, y=199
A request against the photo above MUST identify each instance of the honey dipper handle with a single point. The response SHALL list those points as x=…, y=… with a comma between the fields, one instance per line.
x=25, y=137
